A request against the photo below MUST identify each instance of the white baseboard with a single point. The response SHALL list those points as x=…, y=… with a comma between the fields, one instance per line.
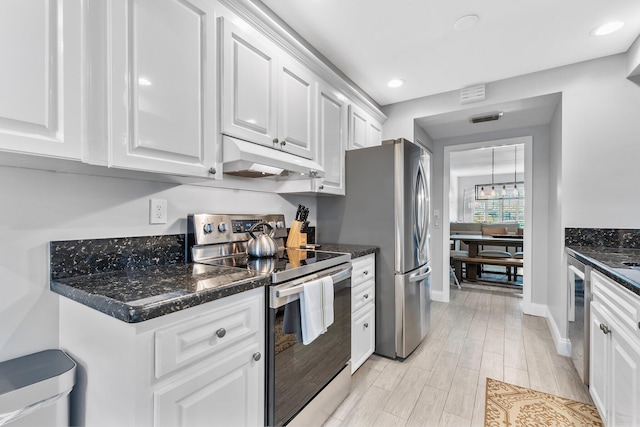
x=438, y=296
x=563, y=345
x=534, y=309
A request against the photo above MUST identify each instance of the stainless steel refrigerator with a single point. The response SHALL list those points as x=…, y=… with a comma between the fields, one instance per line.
x=387, y=205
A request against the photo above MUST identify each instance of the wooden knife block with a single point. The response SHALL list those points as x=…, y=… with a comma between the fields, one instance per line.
x=296, y=238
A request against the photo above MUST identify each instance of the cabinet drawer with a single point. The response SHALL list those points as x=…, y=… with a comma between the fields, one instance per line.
x=363, y=269
x=624, y=303
x=227, y=326
x=362, y=294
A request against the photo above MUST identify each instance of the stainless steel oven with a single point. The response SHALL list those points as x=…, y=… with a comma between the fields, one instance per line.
x=304, y=383
x=297, y=373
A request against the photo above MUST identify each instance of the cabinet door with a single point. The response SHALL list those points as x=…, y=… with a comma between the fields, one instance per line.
x=296, y=105
x=358, y=128
x=375, y=133
x=599, y=360
x=40, y=77
x=228, y=391
x=163, y=86
x=362, y=336
x=332, y=120
x=625, y=380
x=249, y=85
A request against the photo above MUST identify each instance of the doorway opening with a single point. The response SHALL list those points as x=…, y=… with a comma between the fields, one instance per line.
x=475, y=177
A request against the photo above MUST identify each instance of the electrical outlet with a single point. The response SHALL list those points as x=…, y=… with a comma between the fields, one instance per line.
x=157, y=211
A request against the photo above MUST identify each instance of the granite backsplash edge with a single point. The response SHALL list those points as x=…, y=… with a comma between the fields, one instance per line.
x=70, y=258
x=603, y=237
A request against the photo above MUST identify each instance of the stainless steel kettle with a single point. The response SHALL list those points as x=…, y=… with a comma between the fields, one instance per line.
x=263, y=244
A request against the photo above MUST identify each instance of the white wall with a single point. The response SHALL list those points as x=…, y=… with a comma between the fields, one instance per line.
x=599, y=129
x=557, y=297
x=40, y=206
x=599, y=133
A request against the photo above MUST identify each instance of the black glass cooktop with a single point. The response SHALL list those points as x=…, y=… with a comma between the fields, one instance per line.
x=285, y=265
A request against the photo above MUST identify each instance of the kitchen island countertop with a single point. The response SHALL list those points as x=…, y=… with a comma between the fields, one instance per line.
x=609, y=261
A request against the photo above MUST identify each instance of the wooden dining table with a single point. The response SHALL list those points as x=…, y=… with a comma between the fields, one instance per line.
x=474, y=241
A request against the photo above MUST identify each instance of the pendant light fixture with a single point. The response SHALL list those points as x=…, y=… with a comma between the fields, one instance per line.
x=515, y=165
x=493, y=188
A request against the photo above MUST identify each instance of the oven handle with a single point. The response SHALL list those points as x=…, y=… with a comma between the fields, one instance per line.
x=338, y=277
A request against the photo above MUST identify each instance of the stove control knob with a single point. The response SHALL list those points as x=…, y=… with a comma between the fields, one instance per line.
x=222, y=227
x=280, y=224
x=208, y=228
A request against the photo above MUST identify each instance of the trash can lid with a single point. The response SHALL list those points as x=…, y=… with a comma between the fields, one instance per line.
x=27, y=370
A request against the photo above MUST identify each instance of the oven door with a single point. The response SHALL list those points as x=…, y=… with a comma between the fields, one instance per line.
x=297, y=372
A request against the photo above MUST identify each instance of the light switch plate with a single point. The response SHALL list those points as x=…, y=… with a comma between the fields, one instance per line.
x=157, y=211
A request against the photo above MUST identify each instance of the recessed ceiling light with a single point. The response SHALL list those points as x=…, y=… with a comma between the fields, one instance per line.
x=395, y=83
x=466, y=22
x=608, y=28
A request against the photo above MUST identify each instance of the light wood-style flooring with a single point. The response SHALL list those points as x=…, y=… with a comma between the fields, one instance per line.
x=479, y=334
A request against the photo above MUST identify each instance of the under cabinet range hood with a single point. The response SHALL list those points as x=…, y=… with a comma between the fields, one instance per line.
x=246, y=159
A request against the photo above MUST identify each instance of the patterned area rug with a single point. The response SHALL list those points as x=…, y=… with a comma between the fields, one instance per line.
x=513, y=406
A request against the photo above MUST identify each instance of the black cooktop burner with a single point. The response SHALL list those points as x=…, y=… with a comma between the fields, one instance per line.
x=285, y=265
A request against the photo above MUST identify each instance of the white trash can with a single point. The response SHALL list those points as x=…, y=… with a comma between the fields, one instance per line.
x=34, y=389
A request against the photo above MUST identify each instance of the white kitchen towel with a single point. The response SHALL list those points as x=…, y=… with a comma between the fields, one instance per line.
x=316, y=308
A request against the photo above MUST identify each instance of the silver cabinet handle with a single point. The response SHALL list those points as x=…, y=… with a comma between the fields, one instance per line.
x=257, y=356
x=366, y=272
x=604, y=329
x=275, y=140
x=212, y=171
x=366, y=325
x=322, y=187
x=283, y=142
x=366, y=296
x=221, y=332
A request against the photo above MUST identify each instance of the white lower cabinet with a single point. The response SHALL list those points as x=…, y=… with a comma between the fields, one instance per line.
x=615, y=352
x=363, y=310
x=199, y=366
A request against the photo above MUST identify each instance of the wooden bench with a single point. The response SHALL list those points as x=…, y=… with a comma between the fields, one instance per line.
x=506, y=262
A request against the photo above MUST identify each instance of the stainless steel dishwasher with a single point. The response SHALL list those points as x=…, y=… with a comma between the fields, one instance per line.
x=579, y=277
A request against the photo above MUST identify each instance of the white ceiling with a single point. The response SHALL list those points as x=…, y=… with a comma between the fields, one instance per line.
x=373, y=41
x=478, y=162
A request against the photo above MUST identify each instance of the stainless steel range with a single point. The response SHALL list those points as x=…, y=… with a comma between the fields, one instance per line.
x=305, y=383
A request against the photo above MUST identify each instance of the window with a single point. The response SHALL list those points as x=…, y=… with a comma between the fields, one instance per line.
x=497, y=210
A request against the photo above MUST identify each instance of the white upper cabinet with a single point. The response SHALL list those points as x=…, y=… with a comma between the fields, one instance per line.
x=296, y=108
x=375, y=132
x=357, y=128
x=40, y=77
x=248, y=82
x=268, y=97
x=162, y=79
x=332, y=130
x=364, y=130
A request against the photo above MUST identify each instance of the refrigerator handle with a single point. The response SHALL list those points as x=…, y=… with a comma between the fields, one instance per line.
x=421, y=211
x=418, y=277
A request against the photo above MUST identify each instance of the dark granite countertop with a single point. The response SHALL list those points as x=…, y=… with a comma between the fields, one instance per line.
x=144, y=293
x=356, y=251
x=139, y=278
x=609, y=261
